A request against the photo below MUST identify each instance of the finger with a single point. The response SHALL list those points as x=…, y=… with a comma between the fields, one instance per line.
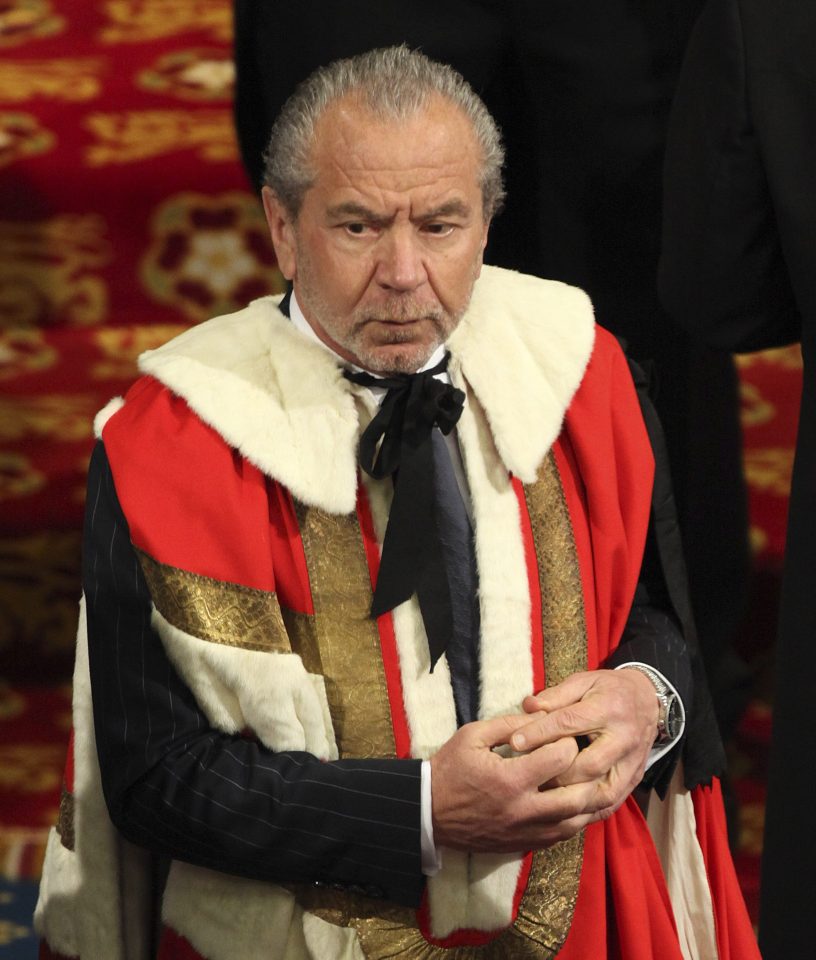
x=562, y=694
x=544, y=763
x=576, y=719
x=497, y=730
x=606, y=756
x=589, y=799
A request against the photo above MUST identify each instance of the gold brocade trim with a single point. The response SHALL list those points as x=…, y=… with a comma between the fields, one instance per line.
x=562, y=598
x=545, y=915
x=386, y=930
x=65, y=820
x=344, y=642
x=216, y=610
x=302, y=636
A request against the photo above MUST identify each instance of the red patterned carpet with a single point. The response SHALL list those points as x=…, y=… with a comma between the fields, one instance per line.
x=125, y=217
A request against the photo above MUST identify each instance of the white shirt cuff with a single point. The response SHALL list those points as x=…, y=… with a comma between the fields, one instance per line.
x=431, y=857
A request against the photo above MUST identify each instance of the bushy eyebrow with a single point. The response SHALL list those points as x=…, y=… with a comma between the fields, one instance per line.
x=351, y=209
x=451, y=208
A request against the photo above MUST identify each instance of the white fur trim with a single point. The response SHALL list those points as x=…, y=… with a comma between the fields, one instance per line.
x=504, y=593
x=226, y=917
x=506, y=673
x=673, y=826
x=326, y=941
x=278, y=398
x=93, y=902
x=282, y=401
x=471, y=891
x=270, y=693
x=523, y=346
x=111, y=407
x=55, y=917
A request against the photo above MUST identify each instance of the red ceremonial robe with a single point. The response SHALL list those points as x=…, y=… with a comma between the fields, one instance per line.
x=198, y=505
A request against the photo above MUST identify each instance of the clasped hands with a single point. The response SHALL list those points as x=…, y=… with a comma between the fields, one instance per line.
x=549, y=789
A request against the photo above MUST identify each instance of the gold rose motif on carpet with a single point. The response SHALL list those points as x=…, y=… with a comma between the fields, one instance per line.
x=22, y=136
x=31, y=767
x=18, y=476
x=67, y=79
x=786, y=358
x=64, y=418
x=143, y=134
x=24, y=351
x=45, y=273
x=769, y=470
x=202, y=75
x=755, y=409
x=39, y=586
x=24, y=20
x=135, y=21
x=209, y=255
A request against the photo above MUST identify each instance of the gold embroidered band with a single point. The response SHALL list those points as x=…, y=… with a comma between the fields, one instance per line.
x=216, y=610
x=342, y=595
x=342, y=642
x=562, y=598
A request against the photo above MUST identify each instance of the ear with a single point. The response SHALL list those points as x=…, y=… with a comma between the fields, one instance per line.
x=282, y=232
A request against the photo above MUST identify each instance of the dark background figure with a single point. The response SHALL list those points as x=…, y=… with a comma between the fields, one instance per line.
x=582, y=92
x=739, y=268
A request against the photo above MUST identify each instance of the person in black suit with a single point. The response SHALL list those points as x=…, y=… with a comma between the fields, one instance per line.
x=581, y=91
x=739, y=270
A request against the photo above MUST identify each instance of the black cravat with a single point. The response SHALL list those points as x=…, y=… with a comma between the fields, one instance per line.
x=459, y=557
x=398, y=443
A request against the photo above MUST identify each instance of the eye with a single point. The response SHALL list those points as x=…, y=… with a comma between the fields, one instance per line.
x=359, y=228
x=437, y=229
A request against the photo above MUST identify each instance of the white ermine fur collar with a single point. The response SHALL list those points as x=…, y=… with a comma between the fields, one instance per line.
x=282, y=401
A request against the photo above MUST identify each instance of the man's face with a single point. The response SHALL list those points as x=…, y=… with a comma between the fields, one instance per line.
x=389, y=239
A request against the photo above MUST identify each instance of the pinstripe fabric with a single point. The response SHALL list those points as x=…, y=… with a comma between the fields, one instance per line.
x=188, y=792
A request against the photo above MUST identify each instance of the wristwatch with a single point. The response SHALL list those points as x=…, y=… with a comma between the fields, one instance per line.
x=669, y=716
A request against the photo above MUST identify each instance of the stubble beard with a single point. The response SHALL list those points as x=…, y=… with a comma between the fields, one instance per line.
x=357, y=336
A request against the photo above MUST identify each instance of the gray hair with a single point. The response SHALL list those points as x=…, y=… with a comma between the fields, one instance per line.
x=394, y=83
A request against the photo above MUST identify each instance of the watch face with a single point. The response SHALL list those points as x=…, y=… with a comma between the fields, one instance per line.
x=673, y=718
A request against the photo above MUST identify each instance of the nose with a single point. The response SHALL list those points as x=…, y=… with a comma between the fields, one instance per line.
x=400, y=265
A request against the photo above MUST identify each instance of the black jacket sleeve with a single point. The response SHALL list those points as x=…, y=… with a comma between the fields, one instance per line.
x=186, y=791
x=660, y=629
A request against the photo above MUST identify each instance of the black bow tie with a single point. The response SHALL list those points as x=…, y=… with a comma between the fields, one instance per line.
x=397, y=442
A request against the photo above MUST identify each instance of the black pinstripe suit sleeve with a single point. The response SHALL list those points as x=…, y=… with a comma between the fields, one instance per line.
x=186, y=791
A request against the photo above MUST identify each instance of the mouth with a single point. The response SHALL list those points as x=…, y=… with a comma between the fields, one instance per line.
x=402, y=321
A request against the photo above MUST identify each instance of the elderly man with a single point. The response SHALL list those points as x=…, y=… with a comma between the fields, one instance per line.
x=359, y=565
